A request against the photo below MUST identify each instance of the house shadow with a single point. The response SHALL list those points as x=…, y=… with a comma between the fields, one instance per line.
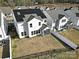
x=12, y=31
x=6, y=49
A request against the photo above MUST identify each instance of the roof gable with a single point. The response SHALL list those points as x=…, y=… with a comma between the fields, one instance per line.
x=43, y=26
x=60, y=16
x=30, y=18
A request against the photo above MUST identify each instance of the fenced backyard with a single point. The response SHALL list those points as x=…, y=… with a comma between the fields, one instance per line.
x=53, y=54
x=47, y=48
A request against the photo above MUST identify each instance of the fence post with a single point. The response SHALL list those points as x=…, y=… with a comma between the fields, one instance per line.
x=10, y=47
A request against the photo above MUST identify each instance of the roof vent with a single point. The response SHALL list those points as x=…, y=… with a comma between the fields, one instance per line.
x=18, y=13
x=19, y=8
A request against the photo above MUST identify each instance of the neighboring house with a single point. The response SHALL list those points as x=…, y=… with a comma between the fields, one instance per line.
x=30, y=22
x=8, y=13
x=6, y=10
x=57, y=19
x=74, y=16
x=3, y=27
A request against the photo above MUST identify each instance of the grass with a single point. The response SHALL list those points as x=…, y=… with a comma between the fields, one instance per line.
x=72, y=35
x=36, y=44
x=1, y=52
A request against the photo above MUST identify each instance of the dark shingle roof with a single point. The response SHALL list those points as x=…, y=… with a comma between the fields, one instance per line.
x=57, y=14
x=20, y=13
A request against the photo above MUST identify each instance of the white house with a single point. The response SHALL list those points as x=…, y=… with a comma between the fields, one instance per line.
x=3, y=27
x=57, y=19
x=74, y=16
x=30, y=22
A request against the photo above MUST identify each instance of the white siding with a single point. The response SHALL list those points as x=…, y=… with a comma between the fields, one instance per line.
x=20, y=30
x=78, y=23
x=35, y=26
x=4, y=26
x=62, y=23
x=1, y=34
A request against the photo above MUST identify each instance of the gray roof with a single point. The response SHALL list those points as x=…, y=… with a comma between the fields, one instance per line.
x=43, y=26
x=56, y=13
x=6, y=10
x=72, y=14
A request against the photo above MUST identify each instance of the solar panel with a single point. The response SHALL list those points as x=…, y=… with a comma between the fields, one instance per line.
x=19, y=16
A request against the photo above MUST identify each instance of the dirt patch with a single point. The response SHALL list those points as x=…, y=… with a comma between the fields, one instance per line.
x=35, y=45
x=1, y=49
x=71, y=34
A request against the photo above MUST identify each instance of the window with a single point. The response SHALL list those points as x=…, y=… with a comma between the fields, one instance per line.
x=44, y=20
x=32, y=33
x=22, y=33
x=38, y=31
x=39, y=23
x=30, y=25
x=63, y=20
